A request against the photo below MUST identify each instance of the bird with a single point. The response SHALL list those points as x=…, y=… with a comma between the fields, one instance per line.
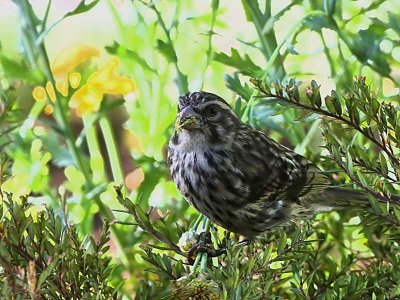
x=239, y=177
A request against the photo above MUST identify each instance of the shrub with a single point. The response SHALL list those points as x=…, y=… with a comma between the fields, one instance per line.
x=42, y=256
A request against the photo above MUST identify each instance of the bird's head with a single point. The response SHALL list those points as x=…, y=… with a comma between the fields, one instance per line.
x=206, y=116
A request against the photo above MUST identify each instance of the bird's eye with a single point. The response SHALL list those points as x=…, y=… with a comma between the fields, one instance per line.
x=210, y=111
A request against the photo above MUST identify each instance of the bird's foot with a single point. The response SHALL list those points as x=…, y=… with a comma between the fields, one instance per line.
x=204, y=245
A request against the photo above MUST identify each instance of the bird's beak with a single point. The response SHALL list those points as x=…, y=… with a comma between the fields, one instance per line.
x=187, y=119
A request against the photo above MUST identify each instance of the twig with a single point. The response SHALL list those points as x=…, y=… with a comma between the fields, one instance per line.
x=181, y=81
x=340, y=118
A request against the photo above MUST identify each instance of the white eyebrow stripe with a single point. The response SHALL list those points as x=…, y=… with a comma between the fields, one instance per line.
x=218, y=102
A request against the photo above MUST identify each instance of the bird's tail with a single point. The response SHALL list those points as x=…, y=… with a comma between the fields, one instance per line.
x=341, y=197
x=336, y=198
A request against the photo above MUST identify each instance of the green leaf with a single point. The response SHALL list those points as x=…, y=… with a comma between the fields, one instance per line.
x=362, y=178
x=316, y=93
x=366, y=47
x=383, y=163
x=234, y=84
x=349, y=162
x=142, y=218
x=336, y=102
x=247, y=9
x=330, y=7
x=181, y=80
x=214, y=5
x=81, y=8
x=125, y=202
x=20, y=71
x=397, y=133
x=167, y=51
x=33, y=18
x=329, y=104
x=269, y=24
x=244, y=64
x=47, y=272
x=394, y=22
x=317, y=22
x=125, y=53
x=281, y=244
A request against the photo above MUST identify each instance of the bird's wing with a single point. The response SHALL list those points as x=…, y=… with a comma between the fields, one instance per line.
x=303, y=177
x=274, y=171
x=310, y=188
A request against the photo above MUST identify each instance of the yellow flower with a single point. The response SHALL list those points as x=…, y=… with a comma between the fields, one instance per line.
x=39, y=93
x=74, y=79
x=89, y=96
x=104, y=81
x=48, y=109
x=62, y=87
x=108, y=82
x=71, y=57
x=50, y=91
x=64, y=63
x=86, y=100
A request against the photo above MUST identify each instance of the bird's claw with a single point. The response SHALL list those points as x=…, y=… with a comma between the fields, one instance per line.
x=204, y=246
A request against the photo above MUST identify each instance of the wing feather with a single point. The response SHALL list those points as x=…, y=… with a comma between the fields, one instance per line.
x=275, y=172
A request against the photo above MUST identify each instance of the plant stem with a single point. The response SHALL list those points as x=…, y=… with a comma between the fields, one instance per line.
x=196, y=263
x=112, y=151
x=209, y=46
x=245, y=115
x=204, y=256
x=30, y=30
x=275, y=56
x=117, y=19
x=328, y=54
x=96, y=159
x=203, y=265
x=197, y=222
x=181, y=80
x=34, y=113
x=301, y=148
x=344, y=120
x=30, y=33
x=267, y=40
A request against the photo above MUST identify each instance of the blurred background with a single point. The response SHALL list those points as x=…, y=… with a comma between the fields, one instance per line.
x=89, y=93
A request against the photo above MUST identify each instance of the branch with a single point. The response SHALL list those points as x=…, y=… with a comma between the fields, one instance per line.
x=351, y=120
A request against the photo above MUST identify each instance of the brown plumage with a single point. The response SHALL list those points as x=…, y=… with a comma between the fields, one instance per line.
x=239, y=177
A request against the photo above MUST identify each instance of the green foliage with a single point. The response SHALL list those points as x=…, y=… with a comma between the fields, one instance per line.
x=244, y=65
x=360, y=110
x=42, y=257
x=169, y=48
x=330, y=258
x=18, y=70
